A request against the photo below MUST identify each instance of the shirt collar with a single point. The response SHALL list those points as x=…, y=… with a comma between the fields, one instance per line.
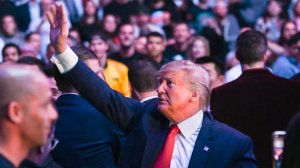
x=190, y=125
x=148, y=98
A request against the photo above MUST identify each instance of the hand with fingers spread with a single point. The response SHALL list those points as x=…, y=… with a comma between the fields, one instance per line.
x=59, y=28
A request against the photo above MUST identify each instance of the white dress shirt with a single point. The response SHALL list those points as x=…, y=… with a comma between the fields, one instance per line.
x=185, y=140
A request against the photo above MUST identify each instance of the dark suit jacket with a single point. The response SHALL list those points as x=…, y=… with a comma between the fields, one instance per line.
x=86, y=137
x=257, y=103
x=291, y=154
x=148, y=128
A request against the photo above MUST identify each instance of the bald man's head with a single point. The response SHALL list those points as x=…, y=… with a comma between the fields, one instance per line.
x=17, y=82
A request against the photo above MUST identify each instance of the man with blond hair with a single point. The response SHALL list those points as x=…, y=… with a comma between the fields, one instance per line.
x=171, y=131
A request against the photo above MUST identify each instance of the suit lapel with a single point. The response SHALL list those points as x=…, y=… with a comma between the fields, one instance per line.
x=155, y=141
x=204, y=144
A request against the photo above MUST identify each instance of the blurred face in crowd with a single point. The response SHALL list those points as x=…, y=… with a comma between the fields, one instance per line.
x=215, y=78
x=289, y=30
x=99, y=47
x=39, y=112
x=181, y=33
x=35, y=41
x=110, y=23
x=142, y=19
x=11, y=54
x=9, y=26
x=294, y=51
x=155, y=46
x=274, y=8
x=198, y=50
x=297, y=8
x=45, y=4
x=126, y=35
x=221, y=9
x=140, y=44
x=90, y=8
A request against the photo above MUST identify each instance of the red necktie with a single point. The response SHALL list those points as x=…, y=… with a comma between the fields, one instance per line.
x=163, y=159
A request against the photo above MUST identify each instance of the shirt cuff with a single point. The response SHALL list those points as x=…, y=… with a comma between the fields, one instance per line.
x=65, y=61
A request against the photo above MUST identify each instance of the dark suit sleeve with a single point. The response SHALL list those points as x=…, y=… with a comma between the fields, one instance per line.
x=119, y=109
x=245, y=157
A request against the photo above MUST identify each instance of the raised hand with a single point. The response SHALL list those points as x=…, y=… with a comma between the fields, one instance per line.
x=59, y=28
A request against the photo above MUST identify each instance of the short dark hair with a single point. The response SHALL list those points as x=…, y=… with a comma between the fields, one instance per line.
x=251, y=47
x=155, y=34
x=83, y=54
x=11, y=45
x=46, y=69
x=28, y=35
x=142, y=74
x=101, y=36
x=219, y=66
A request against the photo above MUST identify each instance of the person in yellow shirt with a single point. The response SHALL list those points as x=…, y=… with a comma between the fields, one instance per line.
x=115, y=73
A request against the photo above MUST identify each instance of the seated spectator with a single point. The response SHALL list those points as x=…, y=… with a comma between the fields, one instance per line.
x=9, y=31
x=115, y=73
x=289, y=65
x=155, y=48
x=198, y=47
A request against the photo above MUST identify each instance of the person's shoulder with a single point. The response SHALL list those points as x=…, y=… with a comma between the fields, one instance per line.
x=117, y=65
x=226, y=132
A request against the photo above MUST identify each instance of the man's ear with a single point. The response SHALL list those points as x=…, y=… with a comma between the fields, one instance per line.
x=15, y=112
x=194, y=97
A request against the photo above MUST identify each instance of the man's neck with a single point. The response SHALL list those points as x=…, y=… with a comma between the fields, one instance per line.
x=127, y=52
x=145, y=95
x=257, y=65
x=158, y=58
x=13, y=150
x=180, y=46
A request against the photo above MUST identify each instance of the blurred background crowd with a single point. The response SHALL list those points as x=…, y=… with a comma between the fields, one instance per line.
x=190, y=29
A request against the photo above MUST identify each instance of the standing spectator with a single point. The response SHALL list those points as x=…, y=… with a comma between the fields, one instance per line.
x=143, y=79
x=87, y=138
x=27, y=114
x=289, y=65
x=248, y=103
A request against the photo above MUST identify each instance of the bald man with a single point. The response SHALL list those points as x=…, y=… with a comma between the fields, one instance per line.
x=26, y=112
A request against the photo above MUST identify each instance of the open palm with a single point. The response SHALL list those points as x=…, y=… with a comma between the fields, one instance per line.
x=59, y=29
